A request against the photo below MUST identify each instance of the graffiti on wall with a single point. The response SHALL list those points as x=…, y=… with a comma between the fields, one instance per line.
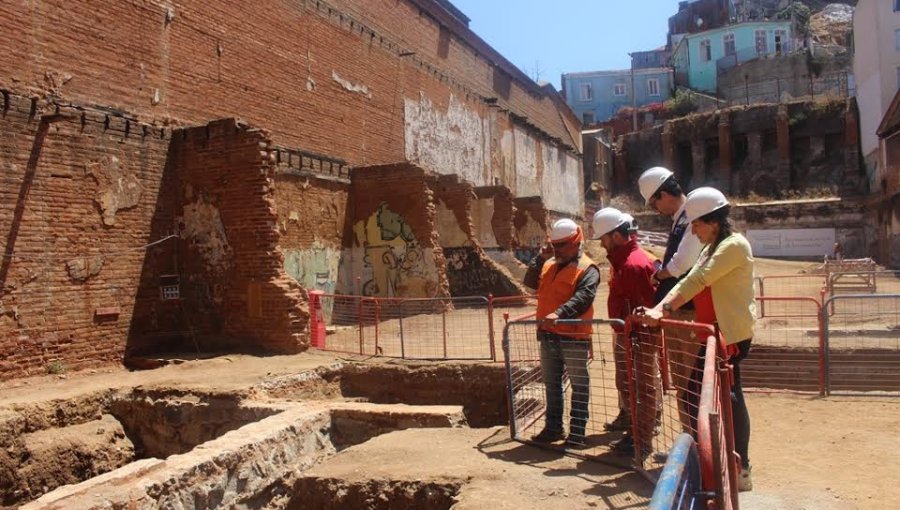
x=314, y=268
x=469, y=275
x=394, y=264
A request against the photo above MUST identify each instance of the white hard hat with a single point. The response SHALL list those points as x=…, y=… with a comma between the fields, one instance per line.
x=630, y=220
x=563, y=230
x=651, y=180
x=703, y=201
x=606, y=220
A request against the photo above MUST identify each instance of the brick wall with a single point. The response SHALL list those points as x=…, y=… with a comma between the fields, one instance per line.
x=325, y=76
x=228, y=225
x=390, y=240
x=76, y=192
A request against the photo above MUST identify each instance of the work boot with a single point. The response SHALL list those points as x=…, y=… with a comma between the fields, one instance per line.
x=548, y=436
x=576, y=442
x=625, y=446
x=622, y=422
x=745, y=483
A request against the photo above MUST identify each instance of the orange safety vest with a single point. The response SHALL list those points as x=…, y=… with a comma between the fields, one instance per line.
x=556, y=287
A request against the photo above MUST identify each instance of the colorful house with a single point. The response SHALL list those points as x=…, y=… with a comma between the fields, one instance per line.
x=699, y=58
x=596, y=96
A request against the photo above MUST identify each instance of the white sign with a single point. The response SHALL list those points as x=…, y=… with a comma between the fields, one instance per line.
x=807, y=242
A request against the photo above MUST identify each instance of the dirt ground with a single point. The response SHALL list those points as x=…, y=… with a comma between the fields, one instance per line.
x=807, y=452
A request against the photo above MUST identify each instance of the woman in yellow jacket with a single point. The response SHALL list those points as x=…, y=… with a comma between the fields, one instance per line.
x=721, y=287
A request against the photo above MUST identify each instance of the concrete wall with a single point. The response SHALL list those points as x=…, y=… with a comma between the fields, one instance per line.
x=781, y=79
x=876, y=61
x=848, y=216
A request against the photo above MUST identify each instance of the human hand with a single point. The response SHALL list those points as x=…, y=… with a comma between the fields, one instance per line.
x=649, y=316
x=550, y=320
x=546, y=251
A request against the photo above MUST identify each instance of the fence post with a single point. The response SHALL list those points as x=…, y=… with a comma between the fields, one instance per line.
x=360, y=323
x=762, y=294
x=490, y=316
x=402, y=341
x=629, y=343
x=823, y=363
x=316, y=320
x=827, y=341
x=444, y=330
x=377, y=322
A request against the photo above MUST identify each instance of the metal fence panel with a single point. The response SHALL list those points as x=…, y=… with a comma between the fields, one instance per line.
x=862, y=340
x=788, y=346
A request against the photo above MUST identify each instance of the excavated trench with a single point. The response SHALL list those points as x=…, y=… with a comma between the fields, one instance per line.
x=168, y=447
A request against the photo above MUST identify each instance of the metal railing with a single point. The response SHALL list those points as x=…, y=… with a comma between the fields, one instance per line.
x=862, y=344
x=629, y=365
x=679, y=486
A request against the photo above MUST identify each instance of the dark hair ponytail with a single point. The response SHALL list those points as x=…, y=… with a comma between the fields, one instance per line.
x=720, y=217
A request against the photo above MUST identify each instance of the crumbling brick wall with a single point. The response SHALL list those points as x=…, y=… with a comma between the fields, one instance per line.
x=470, y=270
x=532, y=223
x=391, y=246
x=766, y=149
x=228, y=226
x=312, y=212
x=77, y=191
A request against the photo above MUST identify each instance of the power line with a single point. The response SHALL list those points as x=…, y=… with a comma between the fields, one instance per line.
x=92, y=255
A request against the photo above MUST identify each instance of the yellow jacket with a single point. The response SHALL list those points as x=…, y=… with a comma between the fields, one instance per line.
x=729, y=274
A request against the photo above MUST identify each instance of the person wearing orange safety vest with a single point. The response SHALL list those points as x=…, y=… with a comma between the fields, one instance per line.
x=566, y=287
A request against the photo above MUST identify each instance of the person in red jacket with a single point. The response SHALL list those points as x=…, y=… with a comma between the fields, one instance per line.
x=630, y=286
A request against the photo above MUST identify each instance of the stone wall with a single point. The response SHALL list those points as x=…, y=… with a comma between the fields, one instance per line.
x=768, y=150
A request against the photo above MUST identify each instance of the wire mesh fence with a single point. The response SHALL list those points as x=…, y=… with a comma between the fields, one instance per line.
x=862, y=343
x=563, y=385
x=788, y=346
x=434, y=328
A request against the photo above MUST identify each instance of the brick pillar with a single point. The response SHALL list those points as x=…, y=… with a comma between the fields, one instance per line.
x=698, y=154
x=754, y=148
x=621, y=173
x=726, y=152
x=668, y=146
x=851, y=142
x=784, y=146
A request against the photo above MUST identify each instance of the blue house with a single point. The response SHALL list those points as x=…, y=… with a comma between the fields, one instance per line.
x=699, y=58
x=596, y=96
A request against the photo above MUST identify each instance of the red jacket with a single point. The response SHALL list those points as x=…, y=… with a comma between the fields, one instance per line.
x=631, y=282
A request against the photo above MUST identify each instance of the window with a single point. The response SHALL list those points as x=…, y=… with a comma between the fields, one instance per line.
x=653, y=87
x=898, y=77
x=619, y=89
x=728, y=43
x=587, y=118
x=705, y=50
x=897, y=39
x=585, y=93
x=896, y=5
x=762, y=42
x=781, y=42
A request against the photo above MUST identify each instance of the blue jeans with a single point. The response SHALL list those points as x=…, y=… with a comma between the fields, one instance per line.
x=558, y=353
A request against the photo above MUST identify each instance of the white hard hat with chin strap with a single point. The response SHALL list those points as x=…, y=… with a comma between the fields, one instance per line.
x=563, y=230
x=703, y=201
x=651, y=180
x=606, y=220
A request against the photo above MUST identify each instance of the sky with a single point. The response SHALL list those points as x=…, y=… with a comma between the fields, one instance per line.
x=551, y=37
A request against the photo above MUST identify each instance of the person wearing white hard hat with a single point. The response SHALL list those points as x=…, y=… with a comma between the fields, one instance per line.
x=630, y=286
x=566, y=286
x=721, y=287
x=663, y=194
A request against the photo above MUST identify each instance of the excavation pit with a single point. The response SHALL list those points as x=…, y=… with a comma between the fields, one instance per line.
x=172, y=447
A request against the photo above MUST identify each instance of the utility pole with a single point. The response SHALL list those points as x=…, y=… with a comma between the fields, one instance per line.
x=634, y=115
